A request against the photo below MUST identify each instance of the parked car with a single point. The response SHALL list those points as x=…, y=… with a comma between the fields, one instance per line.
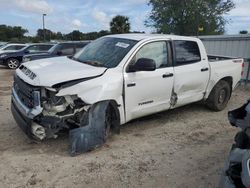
x=116, y=79
x=12, y=47
x=236, y=173
x=60, y=49
x=13, y=59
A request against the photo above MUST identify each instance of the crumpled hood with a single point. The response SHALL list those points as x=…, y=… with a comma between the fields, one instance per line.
x=51, y=71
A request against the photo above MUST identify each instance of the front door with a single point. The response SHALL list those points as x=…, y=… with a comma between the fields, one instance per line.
x=148, y=92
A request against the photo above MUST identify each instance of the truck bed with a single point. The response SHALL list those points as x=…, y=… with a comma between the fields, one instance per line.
x=223, y=66
x=212, y=58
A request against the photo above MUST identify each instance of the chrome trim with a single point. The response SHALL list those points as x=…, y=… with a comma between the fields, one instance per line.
x=28, y=112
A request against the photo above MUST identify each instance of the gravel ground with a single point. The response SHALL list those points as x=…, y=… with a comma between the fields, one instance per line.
x=184, y=147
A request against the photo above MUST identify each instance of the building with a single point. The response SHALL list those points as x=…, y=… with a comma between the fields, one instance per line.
x=230, y=45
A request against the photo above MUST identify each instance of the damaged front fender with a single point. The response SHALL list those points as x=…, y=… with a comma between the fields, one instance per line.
x=96, y=124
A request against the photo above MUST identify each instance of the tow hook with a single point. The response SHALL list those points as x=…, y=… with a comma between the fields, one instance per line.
x=38, y=131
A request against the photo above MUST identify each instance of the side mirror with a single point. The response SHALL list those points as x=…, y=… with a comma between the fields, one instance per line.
x=27, y=52
x=59, y=53
x=143, y=64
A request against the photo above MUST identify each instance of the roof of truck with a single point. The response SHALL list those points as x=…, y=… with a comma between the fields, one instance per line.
x=138, y=37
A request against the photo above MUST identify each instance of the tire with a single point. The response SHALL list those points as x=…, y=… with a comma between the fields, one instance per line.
x=108, y=122
x=108, y=119
x=219, y=96
x=13, y=63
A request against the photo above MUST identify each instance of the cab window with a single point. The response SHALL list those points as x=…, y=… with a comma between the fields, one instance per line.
x=156, y=51
x=186, y=52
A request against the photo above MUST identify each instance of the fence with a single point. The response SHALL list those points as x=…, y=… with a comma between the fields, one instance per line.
x=230, y=45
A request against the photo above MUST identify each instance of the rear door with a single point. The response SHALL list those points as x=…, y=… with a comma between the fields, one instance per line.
x=44, y=47
x=32, y=49
x=191, y=72
x=148, y=92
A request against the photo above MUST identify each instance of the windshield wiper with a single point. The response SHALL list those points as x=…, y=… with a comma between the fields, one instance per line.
x=75, y=59
x=93, y=63
x=89, y=62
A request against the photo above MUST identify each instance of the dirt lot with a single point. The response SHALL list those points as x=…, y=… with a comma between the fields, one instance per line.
x=185, y=147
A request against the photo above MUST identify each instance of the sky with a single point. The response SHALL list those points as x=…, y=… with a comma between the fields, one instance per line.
x=95, y=15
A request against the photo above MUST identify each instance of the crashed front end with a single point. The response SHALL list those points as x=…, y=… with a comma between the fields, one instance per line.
x=41, y=114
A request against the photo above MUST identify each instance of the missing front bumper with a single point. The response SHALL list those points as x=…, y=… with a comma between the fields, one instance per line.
x=23, y=122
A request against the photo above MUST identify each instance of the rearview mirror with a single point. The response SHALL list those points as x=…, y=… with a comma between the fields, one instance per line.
x=143, y=64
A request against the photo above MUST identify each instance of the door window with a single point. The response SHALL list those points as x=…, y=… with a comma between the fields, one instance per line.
x=44, y=47
x=14, y=47
x=33, y=48
x=186, y=52
x=156, y=51
x=67, y=49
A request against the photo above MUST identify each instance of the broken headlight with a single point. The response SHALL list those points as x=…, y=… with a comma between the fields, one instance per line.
x=60, y=105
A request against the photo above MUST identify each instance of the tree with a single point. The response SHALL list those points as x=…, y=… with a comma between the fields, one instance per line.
x=18, y=32
x=185, y=17
x=9, y=33
x=76, y=35
x=243, y=32
x=120, y=24
x=59, y=36
x=48, y=34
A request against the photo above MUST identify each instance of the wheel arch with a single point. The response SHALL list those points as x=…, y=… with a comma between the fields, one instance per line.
x=19, y=58
x=213, y=101
x=115, y=127
x=228, y=79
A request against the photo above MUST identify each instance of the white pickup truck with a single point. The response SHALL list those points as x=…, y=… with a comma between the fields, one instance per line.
x=115, y=79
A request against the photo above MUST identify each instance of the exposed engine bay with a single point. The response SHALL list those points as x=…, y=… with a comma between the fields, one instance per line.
x=59, y=113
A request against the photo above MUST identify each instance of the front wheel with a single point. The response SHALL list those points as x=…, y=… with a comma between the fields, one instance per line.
x=109, y=121
x=219, y=96
x=13, y=63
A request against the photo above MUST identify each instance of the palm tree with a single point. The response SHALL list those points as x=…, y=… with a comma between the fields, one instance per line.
x=120, y=24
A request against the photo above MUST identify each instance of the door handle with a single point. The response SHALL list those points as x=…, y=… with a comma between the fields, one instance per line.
x=204, y=69
x=167, y=75
x=131, y=84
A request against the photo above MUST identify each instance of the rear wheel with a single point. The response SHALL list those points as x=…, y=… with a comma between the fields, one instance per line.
x=13, y=63
x=219, y=96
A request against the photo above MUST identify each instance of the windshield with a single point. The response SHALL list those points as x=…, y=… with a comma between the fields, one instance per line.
x=53, y=48
x=107, y=52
